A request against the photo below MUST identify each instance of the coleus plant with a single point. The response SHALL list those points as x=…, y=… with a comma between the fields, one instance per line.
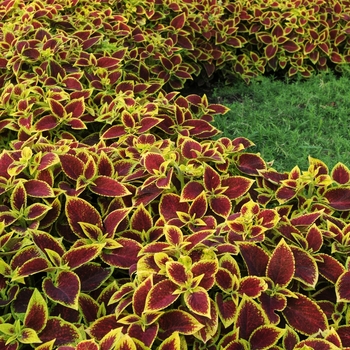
x=126, y=222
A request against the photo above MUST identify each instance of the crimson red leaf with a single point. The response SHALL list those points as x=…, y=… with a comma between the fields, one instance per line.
x=191, y=148
x=198, y=301
x=64, y=289
x=208, y=269
x=47, y=122
x=338, y=198
x=87, y=345
x=178, y=321
x=252, y=286
x=123, y=257
x=191, y=191
x=62, y=331
x=306, y=269
x=31, y=267
x=141, y=220
x=107, y=62
x=281, y=266
x=177, y=273
x=329, y=267
x=319, y=344
x=88, y=307
x=212, y=179
x=250, y=316
x=106, y=186
x=38, y=188
x=265, y=337
x=179, y=21
x=255, y=258
x=341, y=174
x=79, y=210
x=76, y=257
x=305, y=315
x=92, y=275
x=344, y=334
x=57, y=108
x=250, y=163
x=226, y=308
x=36, y=315
x=145, y=335
x=342, y=287
x=140, y=295
x=161, y=295
x=76, y=108
x=36, y=210
x=46, y=241
x=103, y=326
x=237, y=186
x=113, y=219
x=272, y=303
x=199, y=206
x=221, y=205
x=72, y=166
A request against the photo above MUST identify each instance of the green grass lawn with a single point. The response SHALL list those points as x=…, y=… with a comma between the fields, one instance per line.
x=288, y=121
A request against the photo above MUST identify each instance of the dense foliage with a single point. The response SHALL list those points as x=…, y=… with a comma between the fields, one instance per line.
x=123, y=223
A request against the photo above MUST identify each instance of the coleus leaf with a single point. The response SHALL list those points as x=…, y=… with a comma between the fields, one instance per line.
x=161, y=295
x=207, y=269
x=249, y=317
x=281, y=266
x=79, y=210
x=64, y=289
x=125, y=343
x=62, y=331
x=88, y=307
x=106, y=186
x=226, y=309
x=177, y=321
x=264, y=337
x=177, y=273
x=35, y=211
x=38, y=188
x=171, y=343
x=102, y=326
x=45, y=241
x=306, y=269
x=316, y=344
x=28, y=336
x=87, y=345
x=237, y=186
x=109, y=340
x=305, y=315
x=141, y=219
x=329, y=267
x=255, y=258
x=30, y=267
x=252, y=286
x=341, y=174
x=36, y=315
x=338, y=198
x=271, y=304
x=123, y=257
x=72, y=166
x=145, y=335
x=76, y=257
x=198, y=301
x=342, y=287
x=92, y=275
x=113, y=219
x=210, y=324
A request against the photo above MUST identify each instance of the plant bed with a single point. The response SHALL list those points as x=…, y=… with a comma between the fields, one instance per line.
x=126, y=221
